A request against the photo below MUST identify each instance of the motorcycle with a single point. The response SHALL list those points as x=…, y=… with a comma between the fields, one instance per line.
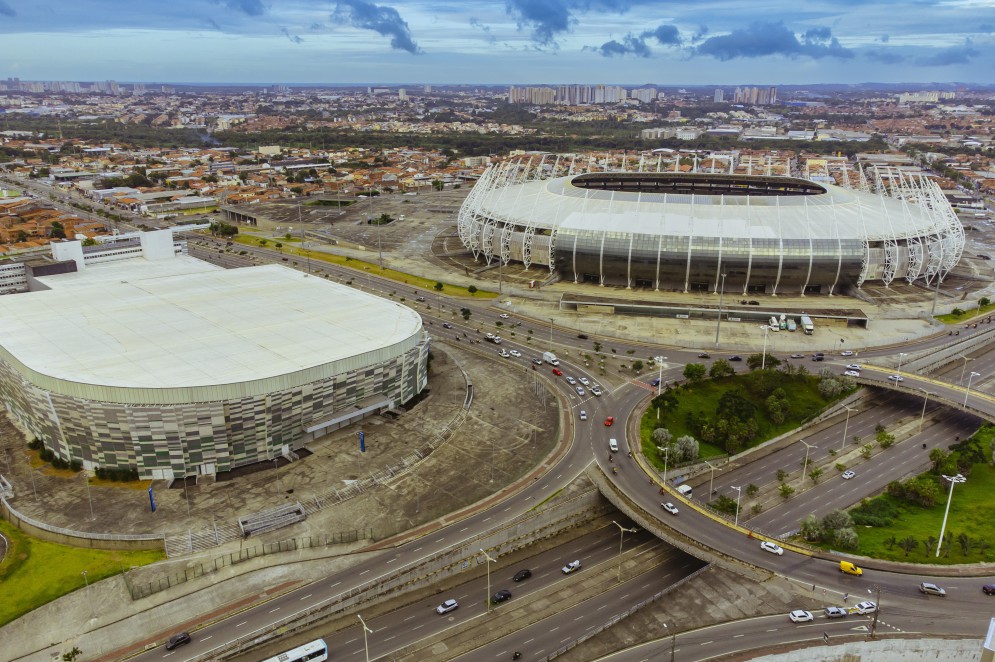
x=516, y=655
x=614, y=470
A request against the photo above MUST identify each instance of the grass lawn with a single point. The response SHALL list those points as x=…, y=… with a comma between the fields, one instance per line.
x=950, y=318
x=703, y=397
x=972, y=513
x=361, y=267
x=35, y=572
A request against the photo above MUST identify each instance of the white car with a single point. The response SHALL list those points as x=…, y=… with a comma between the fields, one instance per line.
x=853, y=366
x=851, y=373
x=930, y=588
x=866, y=607
x=768, y=546
x=848, y=474
x=503, y=354
x=570, y=567
x=583, y=415
x=670, y=508
x=446, y=607
x=896, y=378
x=504, y=316
x=846, y=352
x=515, y=353
x=570, y=380
x=581, y=392
x=800, y=616
x=584, y=380
x=595, y=390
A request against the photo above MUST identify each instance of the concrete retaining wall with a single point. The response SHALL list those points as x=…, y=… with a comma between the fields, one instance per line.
x=886, y=650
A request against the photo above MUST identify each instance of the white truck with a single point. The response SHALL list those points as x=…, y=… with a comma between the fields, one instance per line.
x=550, y=358
x=806, y=323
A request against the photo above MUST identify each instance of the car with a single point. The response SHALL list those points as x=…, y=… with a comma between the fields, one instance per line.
x=582, y=336
x=580, y=391
x=988, y=589
x=583, y=415
x=704, y=355
x=848, y=474
x=613, y=445
x=446, y=607
x=797, y=356
x=655, y=381
x=737, y=357
x=866, y=607
x=800, y=616
x=768, y=546
x=504, y=353
x=819, y=357
x=853, y=366
x=501, y=596
x=447, y=325
x=504, y=316
x=524, y=573
x=610, y=421
x=847, y=352
x=537, y=361
x=570, y=380
x=515, y=353
x=896, y=378
x=670, y=508
x=584, y=380
x=557, y=372
x=595, y=390
x=571, y=567
x=984, y=257
x=851, y=373
x=850, y=568
x=836, y=612
x=929, y=588
x=420, y=299
x=177, y=639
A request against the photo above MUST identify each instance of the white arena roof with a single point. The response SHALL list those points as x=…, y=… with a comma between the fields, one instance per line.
x=145, y=326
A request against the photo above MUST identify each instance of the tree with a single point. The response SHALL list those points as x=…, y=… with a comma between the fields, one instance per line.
x=438, y=286
x=781, y=475
x=846, y=538
x=71, y=655
x=815, y=474
x=661, y=436
x=89, y=241
x=786, y=490
x=866, y=451
x=465, y=312
x=437, y=184
x=929, y=543
x=938, y=457
x=810, y=529
x=751, y=490
x=836, y=519
x=637, y=365
x=472, y=289
x=720, y=368
x=58, y=230
x=22, y=236
x=687, y=448
x=884, y=439
x=755, y=361
x=908, y=544
x=694, y=372
x=984, y=301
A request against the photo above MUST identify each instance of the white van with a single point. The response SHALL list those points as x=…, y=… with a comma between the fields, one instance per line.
x=684, y=491
x=613, y=445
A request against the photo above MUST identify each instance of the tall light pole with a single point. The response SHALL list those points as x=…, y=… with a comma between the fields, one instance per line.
x=673, y=641
x=950, y=497
x=718, y=322
x=739, y=494
x=808, y=447
x=971, y=377
x=366, y=643
x=86, y=480
x=877, y=608
x=846, y=425
x=901, y=355
x=621, y=535
x=763, y=359
x=489, y=562
x=961, y=380
x=551, y=334
x=666, y=455
x=711, y=480
x=659, y=382
x=924, y=401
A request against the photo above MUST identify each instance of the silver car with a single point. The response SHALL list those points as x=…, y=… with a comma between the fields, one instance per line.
x=930, y=588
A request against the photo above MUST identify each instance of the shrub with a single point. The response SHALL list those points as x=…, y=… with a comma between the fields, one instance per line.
x=35, y=444
x=472, y=289
x=846, y=538
x=76, y=466
x=957, y=312
x=786, y=490
x=724, y=504
x=46, y=455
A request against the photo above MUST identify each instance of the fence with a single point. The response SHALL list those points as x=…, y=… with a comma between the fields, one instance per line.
x=145, y=589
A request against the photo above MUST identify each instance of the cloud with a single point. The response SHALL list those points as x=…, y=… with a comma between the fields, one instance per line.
x=885, y=39
x=666, y=35
x=292, y=37
x=6, y=10
x=986, y=28
x=250, y=7
x=211, y=23
x=948, y=56
x=486, y=29
x=884, y=56
x=383, y=20
x=631, y=44
x=549, y=18
x=700, y=34
x=763, y=39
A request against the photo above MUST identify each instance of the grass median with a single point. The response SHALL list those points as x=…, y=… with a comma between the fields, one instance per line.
x=35, y=572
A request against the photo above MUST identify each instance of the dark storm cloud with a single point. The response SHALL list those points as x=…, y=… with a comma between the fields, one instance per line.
x=631, y=44
x=763, y=39
x=6, y=10
x=948, y=56
x=292, y=37
x=549, y=18
x=383, y=20
x=249, y=7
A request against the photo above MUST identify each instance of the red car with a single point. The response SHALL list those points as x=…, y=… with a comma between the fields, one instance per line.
x=609, y=421
x=557, y=372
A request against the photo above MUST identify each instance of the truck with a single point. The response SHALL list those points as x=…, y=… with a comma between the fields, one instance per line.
x=792, y=326
x=784, y=322
x=806, y=323
x=490, y=337
x=550, y=358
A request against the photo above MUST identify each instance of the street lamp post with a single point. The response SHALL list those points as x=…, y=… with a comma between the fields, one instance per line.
x=86, y=479
x=808, y=447
x=673, y=641
x=925, y=399
x=711, y=480
x=763, y=359
x=718, y=322
x=489, y=562
x=739, y=494
x=366, y=643
x=877, y=607
x=551, y=334
x=666, y=455
x=963, y=368
x=659, y=383
x=621, y=535
x=950, y=497
x=971, y=377
x=901, y=355
x=846, y=425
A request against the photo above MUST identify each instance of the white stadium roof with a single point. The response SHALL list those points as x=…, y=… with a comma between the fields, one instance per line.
x=182, y=323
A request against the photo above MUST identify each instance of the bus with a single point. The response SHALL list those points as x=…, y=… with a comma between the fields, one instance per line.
x=315, y=651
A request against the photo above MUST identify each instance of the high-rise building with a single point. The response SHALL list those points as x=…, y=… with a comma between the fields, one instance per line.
x=719, y=96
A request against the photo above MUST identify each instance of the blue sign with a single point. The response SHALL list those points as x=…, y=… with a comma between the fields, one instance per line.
x=151, y=499
x=362, y=442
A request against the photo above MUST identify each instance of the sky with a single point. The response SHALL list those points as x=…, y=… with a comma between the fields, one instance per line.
x=523, y=42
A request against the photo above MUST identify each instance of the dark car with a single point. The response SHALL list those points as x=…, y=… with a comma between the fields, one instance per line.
x=989, y=589
x=704, y=355
x=447, y=325
x=420, y=299
x=655, y=381
x=736, y=358
x=524, y=573
x=178, y=640
x=501, y=596
x=582, y=336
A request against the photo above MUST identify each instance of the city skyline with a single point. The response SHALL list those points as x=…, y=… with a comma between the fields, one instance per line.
x=532, y=42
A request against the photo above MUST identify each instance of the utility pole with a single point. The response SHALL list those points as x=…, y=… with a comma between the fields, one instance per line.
x=718, y=322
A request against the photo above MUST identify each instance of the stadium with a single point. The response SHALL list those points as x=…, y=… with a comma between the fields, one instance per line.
x=173, y=366
x=682, y=231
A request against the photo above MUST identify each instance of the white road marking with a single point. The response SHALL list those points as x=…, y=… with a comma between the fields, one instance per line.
x=238, y=625
x=306, y=597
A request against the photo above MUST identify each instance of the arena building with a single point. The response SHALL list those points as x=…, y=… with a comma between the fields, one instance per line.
x=683, y=231
x=161, y=362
